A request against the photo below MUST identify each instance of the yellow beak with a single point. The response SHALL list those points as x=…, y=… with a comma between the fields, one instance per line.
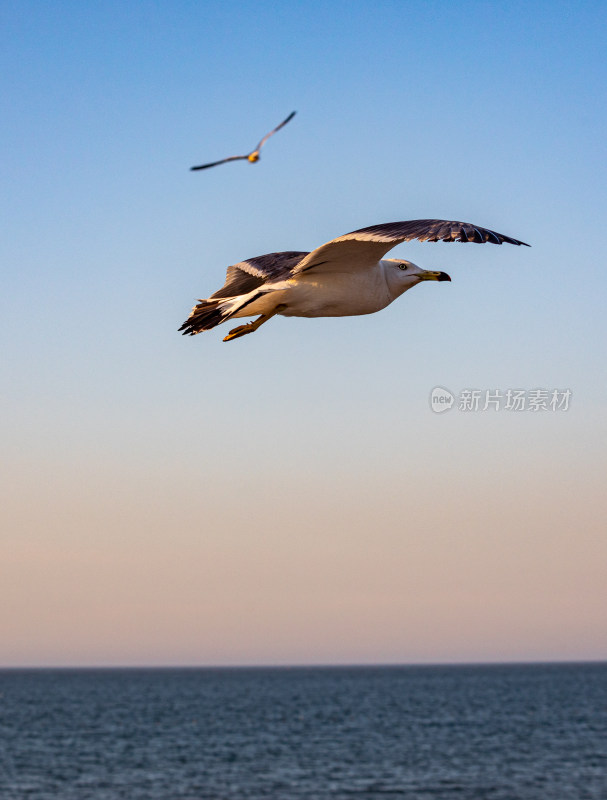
x=428, y=275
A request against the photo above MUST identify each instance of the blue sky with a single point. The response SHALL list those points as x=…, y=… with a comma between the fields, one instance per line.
x=289, y=497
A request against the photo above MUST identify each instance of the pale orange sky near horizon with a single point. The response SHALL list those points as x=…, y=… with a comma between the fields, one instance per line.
x=499, y=561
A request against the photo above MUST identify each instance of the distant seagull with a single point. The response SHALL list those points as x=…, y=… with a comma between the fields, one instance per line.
x=253, y=156
x=343, y=277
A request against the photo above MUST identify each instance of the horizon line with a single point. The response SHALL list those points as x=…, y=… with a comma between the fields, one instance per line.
x=320, y=665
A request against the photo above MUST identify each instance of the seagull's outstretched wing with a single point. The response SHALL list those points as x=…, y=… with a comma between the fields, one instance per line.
x=362, y=249
x=247, y=275
x=277, y=128
x=223, y=161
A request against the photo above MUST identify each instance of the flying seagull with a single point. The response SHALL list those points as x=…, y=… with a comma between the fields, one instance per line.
x=253, y=156
x=343, y=277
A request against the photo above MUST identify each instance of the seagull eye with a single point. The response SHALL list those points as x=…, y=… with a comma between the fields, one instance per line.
x=402, y=266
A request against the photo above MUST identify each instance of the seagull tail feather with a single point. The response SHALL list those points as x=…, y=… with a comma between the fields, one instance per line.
x=209, y=313
x=204, y=316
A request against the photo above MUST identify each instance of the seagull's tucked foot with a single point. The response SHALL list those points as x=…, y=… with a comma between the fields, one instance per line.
x=241, y=330
x=252, y=326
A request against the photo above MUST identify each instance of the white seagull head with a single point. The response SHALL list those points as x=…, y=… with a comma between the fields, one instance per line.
x=402, y=275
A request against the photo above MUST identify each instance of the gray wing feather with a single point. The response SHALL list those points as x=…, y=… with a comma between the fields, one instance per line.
x=217, y=163
x=363, y=248
x=274, y=130
x=247, y=275
x=435, y=230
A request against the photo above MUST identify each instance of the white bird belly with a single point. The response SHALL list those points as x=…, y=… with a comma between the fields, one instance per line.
x=337, y=294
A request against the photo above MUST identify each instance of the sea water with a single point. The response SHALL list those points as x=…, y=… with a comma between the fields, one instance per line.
x=526, y=732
